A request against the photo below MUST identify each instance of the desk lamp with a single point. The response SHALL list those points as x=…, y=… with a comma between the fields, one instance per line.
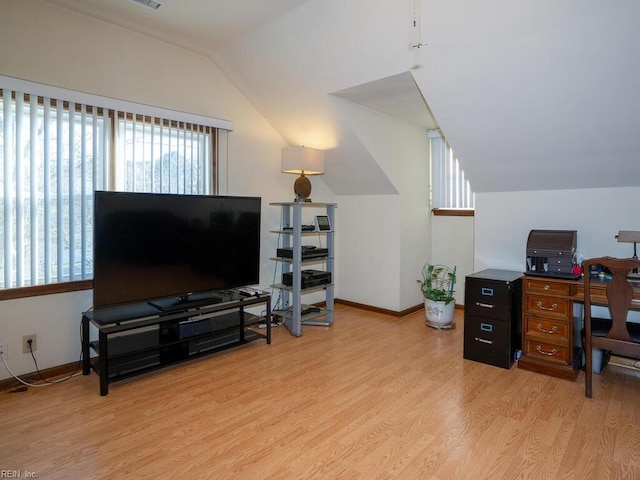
x=630, y=236
x=303, y=161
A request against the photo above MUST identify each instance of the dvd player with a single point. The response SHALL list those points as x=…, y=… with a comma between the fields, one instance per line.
x=308, y=278
x=307, y=252
x=304, y=228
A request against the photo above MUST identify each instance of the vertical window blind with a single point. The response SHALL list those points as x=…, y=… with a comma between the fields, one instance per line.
x=449, y=186
x=54, y=154
x=163, y=156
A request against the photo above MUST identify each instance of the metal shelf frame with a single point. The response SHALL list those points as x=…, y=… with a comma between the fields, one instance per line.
x=292, y=296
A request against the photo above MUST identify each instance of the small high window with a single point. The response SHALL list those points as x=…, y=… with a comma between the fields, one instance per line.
x=449, y=187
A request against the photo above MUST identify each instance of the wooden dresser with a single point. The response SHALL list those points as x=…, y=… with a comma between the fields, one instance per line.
x=548, y=323
x=547, y=327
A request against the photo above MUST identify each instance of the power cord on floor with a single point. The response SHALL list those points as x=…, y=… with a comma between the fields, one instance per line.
x=46, y=382
x=59, y=380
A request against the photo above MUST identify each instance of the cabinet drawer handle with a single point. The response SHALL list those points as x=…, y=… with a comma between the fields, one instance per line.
x=553, y=306
x=547, y=287
x=543, y=330
x=485, y=305
x=542, y=352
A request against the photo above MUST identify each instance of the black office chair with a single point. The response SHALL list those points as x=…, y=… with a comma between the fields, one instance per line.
x=615, y=335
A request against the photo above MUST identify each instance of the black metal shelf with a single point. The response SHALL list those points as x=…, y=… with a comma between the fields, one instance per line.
x=127, y=347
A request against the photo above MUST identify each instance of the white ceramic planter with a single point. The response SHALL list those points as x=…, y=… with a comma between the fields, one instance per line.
x=438, y=314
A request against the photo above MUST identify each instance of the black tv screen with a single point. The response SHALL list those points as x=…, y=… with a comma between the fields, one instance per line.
x=151, y=246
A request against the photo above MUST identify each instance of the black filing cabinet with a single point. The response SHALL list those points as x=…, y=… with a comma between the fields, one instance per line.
x=493, y=316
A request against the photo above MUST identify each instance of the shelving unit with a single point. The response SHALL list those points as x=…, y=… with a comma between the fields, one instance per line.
x=291, y=231
x=139, y=338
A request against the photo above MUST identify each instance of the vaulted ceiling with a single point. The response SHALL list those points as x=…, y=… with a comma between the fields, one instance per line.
x=532, y=95
x=198, y=25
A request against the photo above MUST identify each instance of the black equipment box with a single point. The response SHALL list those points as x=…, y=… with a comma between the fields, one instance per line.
x=493, y=317
x=123, y=350
x=121, y=343
x=551, y=253
x=191, y=328
x=307, y=252
x=308, y=278
x=207, y=323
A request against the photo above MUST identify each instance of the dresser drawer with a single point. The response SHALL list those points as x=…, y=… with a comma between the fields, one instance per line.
x=546, y=329
x=487, y=298
x=538, y=285
x=560, y=264
x=546, y=351
x=598, y=295
x=550, y=307
x=489, y=341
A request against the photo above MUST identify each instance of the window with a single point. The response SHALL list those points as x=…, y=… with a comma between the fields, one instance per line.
x=162, y=156
x=54, y=154
x=449, y=187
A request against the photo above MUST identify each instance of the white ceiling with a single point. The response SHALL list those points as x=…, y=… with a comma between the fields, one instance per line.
x=197, y=25
x=397, y=95
x=531, y=95
x=204, y=26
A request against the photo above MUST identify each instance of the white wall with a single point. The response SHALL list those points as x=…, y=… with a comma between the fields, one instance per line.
x=452, y=243
x=45, y=44
x=383, y=240
x=55, y=319
x=327, y=46
x=368, y=246
x=504, y=220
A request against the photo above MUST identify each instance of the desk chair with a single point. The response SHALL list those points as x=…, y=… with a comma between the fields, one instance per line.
x=615, y=334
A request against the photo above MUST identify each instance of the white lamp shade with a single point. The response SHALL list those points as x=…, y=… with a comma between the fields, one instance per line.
x=298, y=159
x=628, y=236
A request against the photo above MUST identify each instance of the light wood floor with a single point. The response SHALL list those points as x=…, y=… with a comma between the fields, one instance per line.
x=372, y=397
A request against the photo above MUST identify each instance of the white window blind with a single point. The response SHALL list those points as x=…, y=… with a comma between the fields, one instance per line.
x=162, y=156
x=449, y=186
x=54, y=154
x=52, y=158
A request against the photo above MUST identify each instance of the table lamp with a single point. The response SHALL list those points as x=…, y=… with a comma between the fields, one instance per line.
x=627, y=236
x=303, y=161
x=630, y=236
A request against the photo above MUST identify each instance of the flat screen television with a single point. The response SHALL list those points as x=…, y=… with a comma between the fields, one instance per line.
x=169, y=249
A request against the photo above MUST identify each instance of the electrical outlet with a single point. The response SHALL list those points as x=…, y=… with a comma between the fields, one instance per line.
x=4, y=350
x=25, y=343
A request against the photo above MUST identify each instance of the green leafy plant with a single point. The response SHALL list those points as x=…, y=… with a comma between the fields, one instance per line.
x=437, y=283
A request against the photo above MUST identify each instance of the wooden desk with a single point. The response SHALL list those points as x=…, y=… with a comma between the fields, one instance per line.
x=548, y=323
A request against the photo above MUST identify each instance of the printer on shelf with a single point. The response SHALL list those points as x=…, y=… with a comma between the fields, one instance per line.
x=551, y=253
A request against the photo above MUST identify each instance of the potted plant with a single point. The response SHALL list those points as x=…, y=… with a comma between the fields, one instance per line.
x=437, y=289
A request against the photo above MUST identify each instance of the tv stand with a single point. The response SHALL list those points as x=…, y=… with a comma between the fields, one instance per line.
x=139, y=338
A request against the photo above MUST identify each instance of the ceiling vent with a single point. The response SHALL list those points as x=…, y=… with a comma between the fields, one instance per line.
x=148, y=3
